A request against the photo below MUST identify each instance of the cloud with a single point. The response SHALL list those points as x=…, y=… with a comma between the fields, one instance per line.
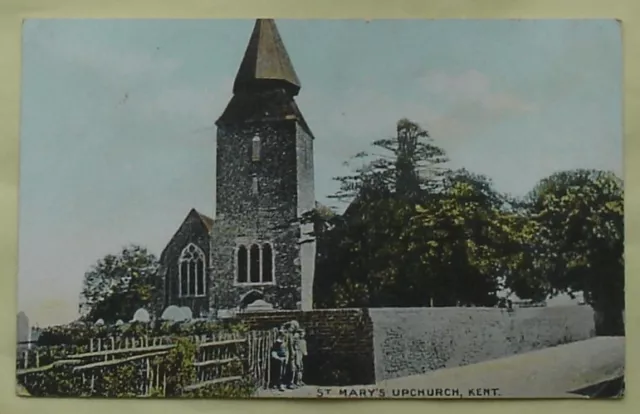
x=472, y=88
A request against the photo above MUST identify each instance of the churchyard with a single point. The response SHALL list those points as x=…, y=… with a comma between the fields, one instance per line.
x=173, y=356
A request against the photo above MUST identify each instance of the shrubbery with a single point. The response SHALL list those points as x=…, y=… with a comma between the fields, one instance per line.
x=80, y=334
x=125, y=380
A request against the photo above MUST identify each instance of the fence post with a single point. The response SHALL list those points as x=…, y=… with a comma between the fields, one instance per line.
x=164, y=384
x=148, y=382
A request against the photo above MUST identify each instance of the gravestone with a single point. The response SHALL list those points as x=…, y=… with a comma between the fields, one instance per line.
x=23, y=330
x=226, y=313
x=141, y=315
x=173, y=314
x=34, y=335
x=186, y=311
x=259, y=306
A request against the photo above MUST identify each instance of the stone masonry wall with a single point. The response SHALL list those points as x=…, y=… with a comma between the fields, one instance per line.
x=306, y=202
x=410, y=341
x=366, y=346
x=191, y=231
x=339, y=341
x=245, y=216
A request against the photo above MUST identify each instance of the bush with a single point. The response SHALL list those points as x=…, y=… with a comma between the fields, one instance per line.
x=80, y=334
x=126, y=379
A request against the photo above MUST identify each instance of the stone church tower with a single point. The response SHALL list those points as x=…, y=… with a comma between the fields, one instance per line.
x=264, y=183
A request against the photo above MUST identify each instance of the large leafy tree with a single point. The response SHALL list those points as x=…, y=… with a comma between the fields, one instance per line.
x=407, y=165
x=580, y=214
x=415, y=234
x=117, y=285
x=362, y=255
x=465, y=240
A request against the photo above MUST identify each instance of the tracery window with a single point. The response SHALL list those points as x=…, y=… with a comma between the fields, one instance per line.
x=191, y=272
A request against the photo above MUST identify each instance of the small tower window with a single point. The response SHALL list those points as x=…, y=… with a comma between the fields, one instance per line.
x=267, y=263
x=254, y=185
x=242, y=264
x=255, y=148
x=254, y=265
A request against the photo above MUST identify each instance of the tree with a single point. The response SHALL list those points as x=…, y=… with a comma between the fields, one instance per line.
x=360, y=259
x=117, y=285
x=453, y=248
x=580, y=214
x=465, y=240
x=416, y=233
x=406, y=164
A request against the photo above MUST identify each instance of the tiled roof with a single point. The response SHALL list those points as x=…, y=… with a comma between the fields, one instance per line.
x=206, y=220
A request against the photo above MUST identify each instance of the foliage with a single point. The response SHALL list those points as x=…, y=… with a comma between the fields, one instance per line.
x=79, y=334
x=461, y=238
x=117, y=285
x=120, y=381
x=418, y=234
x=124, y=380
x=55, y=382
x=179, y=367
x=243, y=388
x=407, y=164
x=580, y=215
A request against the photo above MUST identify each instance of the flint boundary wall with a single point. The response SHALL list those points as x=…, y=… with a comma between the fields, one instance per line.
x=340, y=343
x=366, y=346
x=413, y=341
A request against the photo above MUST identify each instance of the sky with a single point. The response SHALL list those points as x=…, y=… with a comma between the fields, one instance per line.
x=118, y=135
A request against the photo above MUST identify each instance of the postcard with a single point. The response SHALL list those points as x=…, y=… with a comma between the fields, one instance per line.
x=320, y=209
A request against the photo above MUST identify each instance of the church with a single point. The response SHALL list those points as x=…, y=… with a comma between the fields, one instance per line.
x=254, y=247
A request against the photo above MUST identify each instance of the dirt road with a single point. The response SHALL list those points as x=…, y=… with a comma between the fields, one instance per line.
x=550, y=373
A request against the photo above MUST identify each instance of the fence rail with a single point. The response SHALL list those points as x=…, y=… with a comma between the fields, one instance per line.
x=218, y=359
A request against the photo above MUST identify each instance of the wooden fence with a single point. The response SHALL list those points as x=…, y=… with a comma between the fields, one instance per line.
x=222, y=358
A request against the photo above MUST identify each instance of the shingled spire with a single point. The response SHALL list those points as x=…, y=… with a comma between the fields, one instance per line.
x=266, y=64
x=266, y=83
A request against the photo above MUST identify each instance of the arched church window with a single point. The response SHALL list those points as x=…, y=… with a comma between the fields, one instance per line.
x=191, y=271
x=267, y=263
x=200, y=281
x=254, y=266
x=242, y=264
x=255, y=148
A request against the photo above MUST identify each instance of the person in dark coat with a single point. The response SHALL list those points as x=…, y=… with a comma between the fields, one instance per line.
x=278, y=362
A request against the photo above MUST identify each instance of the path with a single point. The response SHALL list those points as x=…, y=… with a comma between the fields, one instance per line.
x=548, y=373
